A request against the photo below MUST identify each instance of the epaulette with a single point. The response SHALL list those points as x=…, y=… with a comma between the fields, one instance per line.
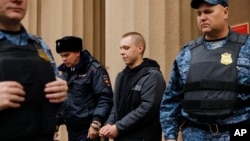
x=194, y=43
x=95, y=63
x=35, y=38
x=237, y=37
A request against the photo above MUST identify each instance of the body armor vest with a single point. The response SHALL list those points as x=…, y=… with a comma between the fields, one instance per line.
x=36, y=117
x=211, y=89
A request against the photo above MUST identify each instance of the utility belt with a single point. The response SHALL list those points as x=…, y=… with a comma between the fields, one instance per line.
x=217, y=128
x=213, y=128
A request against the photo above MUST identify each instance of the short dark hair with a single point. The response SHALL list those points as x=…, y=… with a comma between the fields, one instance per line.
x=138, y=37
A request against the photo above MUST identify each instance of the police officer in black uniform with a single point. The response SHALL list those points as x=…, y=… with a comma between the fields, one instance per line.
x=90, y=94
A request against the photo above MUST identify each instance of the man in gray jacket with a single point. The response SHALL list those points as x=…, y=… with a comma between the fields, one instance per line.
x=137, y=95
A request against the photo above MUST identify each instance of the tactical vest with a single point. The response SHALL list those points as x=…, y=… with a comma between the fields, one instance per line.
x=212, y=88
x=36, y=118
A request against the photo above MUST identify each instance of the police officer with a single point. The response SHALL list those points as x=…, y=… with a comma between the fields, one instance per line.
x=90, y=94
x=29, y=87
x=209, y=82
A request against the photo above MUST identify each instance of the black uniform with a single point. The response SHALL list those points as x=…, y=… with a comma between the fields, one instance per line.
x=89, y=96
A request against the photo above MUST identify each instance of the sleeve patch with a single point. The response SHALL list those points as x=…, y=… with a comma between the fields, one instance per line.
x=106, y=80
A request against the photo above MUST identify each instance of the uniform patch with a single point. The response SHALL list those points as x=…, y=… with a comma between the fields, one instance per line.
x=43, y=55
x=82, y=75
x=106, y=80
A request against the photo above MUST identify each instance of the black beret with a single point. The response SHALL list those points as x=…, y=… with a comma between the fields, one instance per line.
x=69, y=43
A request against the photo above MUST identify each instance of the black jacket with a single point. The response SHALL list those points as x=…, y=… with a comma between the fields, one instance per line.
x=35, y=119
x=89, y=95
x=138, y=93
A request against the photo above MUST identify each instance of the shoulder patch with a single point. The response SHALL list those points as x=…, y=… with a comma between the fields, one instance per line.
x=41, y=53
x=106, y=80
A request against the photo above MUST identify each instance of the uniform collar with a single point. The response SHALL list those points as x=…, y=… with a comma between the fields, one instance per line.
x=24, y=33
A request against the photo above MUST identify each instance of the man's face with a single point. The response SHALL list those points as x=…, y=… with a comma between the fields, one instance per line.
x=12, y=11
x=212, y=19
x=130, y=52
x=70, y=59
